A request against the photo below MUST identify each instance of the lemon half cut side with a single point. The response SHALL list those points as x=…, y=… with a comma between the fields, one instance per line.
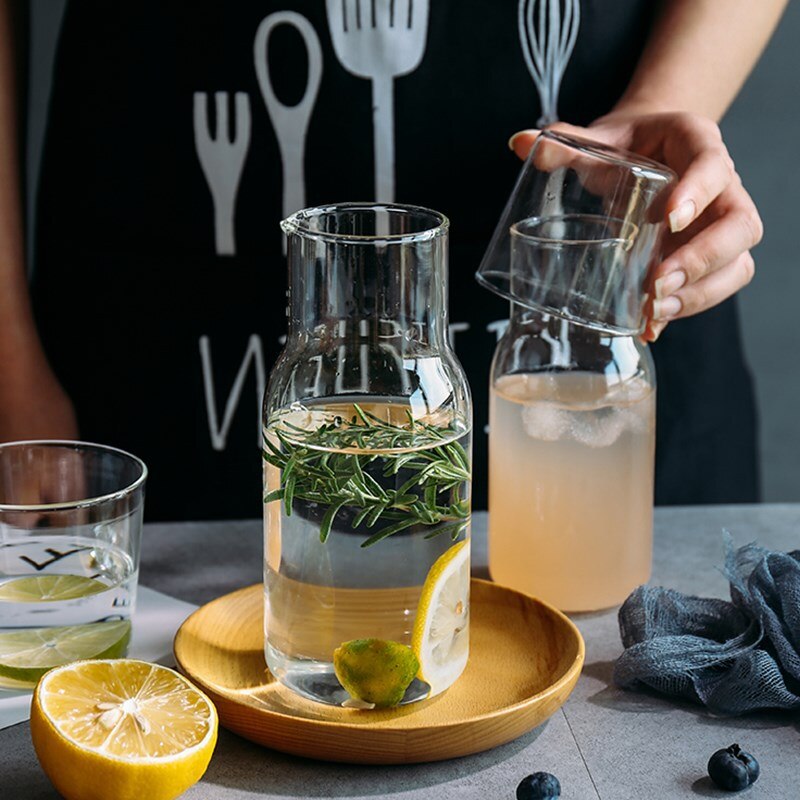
x=441, y=629
x=121, y=728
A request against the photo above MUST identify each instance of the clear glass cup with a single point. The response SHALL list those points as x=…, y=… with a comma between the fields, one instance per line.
x=367, y=428
x=580, y=233
x=70, y=535
x=572, y=388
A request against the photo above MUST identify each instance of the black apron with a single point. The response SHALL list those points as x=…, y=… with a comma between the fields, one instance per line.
x=162, y=317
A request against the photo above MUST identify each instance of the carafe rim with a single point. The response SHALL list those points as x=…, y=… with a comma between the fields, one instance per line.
x=297, y=224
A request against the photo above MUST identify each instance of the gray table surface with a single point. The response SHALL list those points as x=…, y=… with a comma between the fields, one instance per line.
x=604, y=743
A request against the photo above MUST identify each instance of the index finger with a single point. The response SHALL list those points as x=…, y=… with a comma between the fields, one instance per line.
x=695, y=149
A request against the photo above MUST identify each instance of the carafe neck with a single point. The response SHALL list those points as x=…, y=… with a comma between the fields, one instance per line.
x=534, y=341
x=369, y=273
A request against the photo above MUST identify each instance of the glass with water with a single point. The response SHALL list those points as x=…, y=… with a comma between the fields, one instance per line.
x=70, y=531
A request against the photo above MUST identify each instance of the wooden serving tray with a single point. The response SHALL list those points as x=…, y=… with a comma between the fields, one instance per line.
x=525, y=659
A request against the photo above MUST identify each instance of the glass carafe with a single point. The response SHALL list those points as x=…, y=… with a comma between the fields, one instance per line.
x=367, y=428
x=572, y=406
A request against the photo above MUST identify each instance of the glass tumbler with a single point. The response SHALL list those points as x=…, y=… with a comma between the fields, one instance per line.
x=367, y=427
x=572, y=394
x=579, y=234
x=70, y=534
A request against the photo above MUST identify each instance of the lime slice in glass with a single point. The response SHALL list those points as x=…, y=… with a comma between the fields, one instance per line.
x=25, y=655
x=49, y=588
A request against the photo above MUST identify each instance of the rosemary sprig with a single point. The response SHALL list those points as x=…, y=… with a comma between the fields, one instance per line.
x=324, y=466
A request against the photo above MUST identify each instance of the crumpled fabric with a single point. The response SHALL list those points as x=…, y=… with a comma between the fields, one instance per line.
x=732, y=657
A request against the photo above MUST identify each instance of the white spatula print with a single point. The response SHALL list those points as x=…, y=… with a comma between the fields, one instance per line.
x=380, y=40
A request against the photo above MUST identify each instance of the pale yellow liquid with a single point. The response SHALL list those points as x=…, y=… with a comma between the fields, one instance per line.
x=319, y=595
x=571, y=487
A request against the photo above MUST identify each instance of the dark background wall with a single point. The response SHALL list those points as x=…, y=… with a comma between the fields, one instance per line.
x=762, y=130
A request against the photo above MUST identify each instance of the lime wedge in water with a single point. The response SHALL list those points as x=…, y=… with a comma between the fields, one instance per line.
x=49, y=588
x=375, y=671
x=25, y=655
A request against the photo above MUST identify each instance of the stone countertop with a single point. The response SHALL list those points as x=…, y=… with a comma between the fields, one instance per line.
x=604, y=743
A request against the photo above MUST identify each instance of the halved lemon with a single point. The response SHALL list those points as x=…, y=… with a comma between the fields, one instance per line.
x=49, y=588
x=121, y=728
x=441, y=629
x=26, y=654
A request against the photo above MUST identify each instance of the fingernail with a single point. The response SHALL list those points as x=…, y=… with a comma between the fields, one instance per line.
x=513, y=139
x=682, y=215
x=656, y=329
x=667, y=308
x=670, y=284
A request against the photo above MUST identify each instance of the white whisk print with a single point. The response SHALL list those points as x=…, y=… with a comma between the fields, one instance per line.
x=547, y=32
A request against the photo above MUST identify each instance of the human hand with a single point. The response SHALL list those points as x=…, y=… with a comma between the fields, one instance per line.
x=713, y=222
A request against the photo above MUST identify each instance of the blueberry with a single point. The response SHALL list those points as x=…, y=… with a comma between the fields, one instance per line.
x=752, y=765
x=539, y=786
x=733, y=769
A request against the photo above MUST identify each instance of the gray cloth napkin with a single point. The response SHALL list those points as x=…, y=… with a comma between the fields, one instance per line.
x=732, y=657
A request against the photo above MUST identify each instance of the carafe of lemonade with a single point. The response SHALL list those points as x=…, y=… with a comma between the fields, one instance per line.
x=367, y=429
x=572, y=390
x=571, y=455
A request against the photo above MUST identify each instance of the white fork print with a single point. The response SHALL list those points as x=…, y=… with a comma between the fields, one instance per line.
x=222, y=159
x=380, y=40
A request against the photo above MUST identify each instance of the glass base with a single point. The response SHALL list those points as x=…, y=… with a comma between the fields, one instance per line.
x=317, y=681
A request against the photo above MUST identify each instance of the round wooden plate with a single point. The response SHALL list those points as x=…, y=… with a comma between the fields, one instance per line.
x=525, y=658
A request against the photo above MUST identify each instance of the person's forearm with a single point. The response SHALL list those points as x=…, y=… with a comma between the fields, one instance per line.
x=33, y=405
x=699, y=54
x=18, y=340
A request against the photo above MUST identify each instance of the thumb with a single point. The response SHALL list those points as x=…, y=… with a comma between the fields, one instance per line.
x=522, y=142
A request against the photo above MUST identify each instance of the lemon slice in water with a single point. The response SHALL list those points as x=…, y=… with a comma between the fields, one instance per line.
x=121, y=729
x=441, y=629
x=25, y=655
x=49, y=588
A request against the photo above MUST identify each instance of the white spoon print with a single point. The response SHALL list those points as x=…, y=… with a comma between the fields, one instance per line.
x=290, y=122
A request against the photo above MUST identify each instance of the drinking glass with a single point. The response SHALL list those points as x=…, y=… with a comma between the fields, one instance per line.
x=367, y=427
x=572, y=388
x=70, y=533
x=579, y=234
